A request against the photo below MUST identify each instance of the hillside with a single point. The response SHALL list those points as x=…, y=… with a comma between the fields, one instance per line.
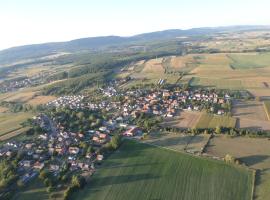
x=108, y=43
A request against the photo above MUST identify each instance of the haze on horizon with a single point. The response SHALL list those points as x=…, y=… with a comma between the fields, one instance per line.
x=37, y=21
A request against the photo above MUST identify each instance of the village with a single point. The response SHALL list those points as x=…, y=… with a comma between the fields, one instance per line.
x=61, y=149
x=24, y=82
x=160, y=102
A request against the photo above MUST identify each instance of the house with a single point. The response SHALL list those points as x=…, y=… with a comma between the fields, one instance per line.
x=27, y=163
x=54, y=167
x=73, y=150
x=100, y=157
x=38, y=165
x=131, y=132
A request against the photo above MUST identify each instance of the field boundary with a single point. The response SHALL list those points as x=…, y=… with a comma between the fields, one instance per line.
x=266, y=110
x=254, y=174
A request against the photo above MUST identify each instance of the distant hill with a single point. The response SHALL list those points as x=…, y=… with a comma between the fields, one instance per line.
x=101, y=43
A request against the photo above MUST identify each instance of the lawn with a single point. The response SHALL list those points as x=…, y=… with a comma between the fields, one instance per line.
x=141, y=171
x=212, y=121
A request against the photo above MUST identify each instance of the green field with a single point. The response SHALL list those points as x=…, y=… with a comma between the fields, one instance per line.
x=140, y=171
x=10, y=122
x=267, y=108
x=250, y=61
x=216, y=82
x=212, y=121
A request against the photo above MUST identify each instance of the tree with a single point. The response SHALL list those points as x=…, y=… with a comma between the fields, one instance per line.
x=115, y=142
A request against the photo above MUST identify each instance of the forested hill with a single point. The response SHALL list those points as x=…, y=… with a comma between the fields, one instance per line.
x=109, y=42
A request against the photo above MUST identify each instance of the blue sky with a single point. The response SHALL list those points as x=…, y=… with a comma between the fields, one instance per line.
x=38, y=21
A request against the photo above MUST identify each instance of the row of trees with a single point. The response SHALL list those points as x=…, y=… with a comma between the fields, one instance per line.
x=221, y=130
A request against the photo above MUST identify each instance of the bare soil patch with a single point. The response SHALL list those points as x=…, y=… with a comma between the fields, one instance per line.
x=249, y=110
x=250, y=115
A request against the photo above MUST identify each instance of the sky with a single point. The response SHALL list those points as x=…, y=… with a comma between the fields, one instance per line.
x=39, y=21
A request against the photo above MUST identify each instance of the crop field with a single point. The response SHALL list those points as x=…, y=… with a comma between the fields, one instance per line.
x=237, y=41
x=214, y=70
x=250, y=61
x=267, y=108
x=215, y=82
x=252, y=124
x=249, y=109
x=13, y=134
x=148, y=72
x=250, y=115
x=10, y=122
x=183, y=63
x=254, y=152
x=197, y=143
x=212, y=121
x=185, y=120
x=177, y=141
x=140, y=171
x=40, y=100
x=263, y=94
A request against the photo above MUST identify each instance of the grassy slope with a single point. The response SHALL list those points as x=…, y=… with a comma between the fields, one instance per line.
x=139, y=171
x=212, y=121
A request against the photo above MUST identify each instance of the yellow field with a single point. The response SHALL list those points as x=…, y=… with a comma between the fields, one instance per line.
x=153, y=66
x=181, y=62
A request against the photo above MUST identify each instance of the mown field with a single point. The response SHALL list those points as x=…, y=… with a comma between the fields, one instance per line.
x=212, y=121
x=140, y=171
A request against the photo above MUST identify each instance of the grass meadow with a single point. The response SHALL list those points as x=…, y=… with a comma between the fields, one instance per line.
x=212, y=121
x=141, y=171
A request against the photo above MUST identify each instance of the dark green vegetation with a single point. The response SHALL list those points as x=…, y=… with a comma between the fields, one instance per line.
x=8, y=177
x=80, y=120
x=139, y=171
